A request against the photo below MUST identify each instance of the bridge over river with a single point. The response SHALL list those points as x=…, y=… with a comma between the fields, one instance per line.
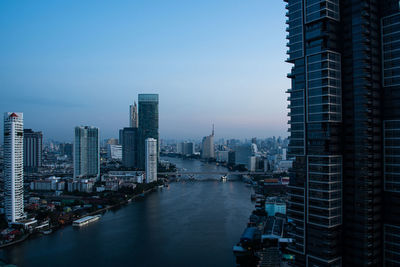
x=205, y=175
x=177, y=173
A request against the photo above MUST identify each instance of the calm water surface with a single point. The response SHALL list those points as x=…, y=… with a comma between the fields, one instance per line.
x=187, y=224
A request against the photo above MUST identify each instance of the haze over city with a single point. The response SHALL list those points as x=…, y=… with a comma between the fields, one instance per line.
x=83, y=63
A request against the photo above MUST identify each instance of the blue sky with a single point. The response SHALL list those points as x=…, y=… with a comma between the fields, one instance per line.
x=68, y=63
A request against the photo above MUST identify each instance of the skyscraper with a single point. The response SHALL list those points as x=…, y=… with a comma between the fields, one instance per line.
x=391, y=132
x=32, y=150
x=133, y=116
x=129, y=147
x=151, y=160
x=13, y=166
x=148, y=123
x=86, y=152
x=344, y=90
x=208, y=146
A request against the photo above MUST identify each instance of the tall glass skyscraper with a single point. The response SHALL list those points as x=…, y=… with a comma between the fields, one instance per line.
x=344, y=107
x=86, y=152
x=129, y=147
x=148, y=123
x=13, y=166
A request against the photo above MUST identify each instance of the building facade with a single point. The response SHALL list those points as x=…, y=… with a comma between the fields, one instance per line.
x=148, y=124
x=151, y=160
x=13, y=166
x=390, y=27
x=86, y=152
x=130, y=147
x=242, y=154
x=344, y=104
x=33, y=145
x=114, y=152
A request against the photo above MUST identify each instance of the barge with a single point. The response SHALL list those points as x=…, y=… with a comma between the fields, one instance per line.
x=85, y=220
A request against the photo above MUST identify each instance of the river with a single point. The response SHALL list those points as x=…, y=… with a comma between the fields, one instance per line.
x=187, y=224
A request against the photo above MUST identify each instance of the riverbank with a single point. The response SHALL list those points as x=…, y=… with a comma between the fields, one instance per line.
x=25, y=237
x=119, y=204
x=57, y=227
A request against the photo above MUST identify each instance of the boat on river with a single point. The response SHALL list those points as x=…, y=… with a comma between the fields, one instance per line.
x=224, y=178
x=85, y=220
x=47, y=232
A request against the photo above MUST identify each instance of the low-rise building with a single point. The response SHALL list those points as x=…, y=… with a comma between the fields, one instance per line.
x=274, y=206
x=49, y=184
x=82, y=185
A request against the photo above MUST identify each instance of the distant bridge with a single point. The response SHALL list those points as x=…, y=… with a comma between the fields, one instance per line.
x=211, y=173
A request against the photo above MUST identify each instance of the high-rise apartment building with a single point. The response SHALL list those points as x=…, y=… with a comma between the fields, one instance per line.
x=130, y=147
x=133, y=116
x=345, y=91
x=148, y=124
x=208, y=151
x=86, y=152
x=151, y=160
x=13, y=166
x=33, y=144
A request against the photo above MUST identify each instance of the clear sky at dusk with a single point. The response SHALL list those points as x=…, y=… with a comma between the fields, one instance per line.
x=69, y=63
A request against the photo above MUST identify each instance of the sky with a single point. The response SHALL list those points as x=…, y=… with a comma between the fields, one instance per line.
x=83, y=62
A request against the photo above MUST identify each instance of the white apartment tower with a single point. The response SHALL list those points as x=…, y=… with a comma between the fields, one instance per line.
x=13, y=166
x=86, y=152
x=151, y=160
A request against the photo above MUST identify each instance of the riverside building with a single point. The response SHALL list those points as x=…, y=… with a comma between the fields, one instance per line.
x=151, y=160
x=13, y=166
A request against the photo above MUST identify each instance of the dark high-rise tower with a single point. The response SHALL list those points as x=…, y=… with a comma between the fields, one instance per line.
x=339, y=104
x=390, y=26
x=148, y=123
x=129, y=147
x=32, y=150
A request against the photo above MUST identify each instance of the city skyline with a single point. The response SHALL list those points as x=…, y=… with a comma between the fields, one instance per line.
x=92, y=74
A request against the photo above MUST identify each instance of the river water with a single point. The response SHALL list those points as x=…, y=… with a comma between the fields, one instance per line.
x=187, y=224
